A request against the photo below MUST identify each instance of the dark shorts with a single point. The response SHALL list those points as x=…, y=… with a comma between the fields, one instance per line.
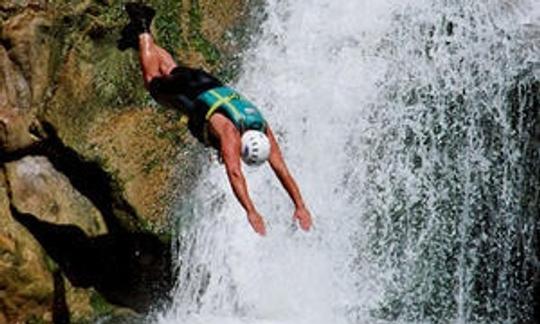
x=179, y=90
x=183, y=81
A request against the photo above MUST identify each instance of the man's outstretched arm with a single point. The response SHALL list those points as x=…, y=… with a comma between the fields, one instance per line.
x=230, y=146
x=282, y=172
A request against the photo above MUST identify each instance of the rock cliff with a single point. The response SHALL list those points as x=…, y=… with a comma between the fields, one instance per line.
x=90, y=165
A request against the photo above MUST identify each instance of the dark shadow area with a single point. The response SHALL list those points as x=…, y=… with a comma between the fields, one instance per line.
x=87, y=177
x=525, y=103
x=130, y=269
x=536, y=268
x=60, y=310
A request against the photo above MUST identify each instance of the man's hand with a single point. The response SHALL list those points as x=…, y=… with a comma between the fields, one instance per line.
x=304, y=218
x=257, y=222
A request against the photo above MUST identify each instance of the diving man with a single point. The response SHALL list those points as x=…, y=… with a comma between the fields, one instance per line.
x=218, y=115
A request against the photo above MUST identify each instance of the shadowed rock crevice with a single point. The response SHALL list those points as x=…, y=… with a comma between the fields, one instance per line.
x=128, y=269
x=60, y=310
x=127, y=266
x=87, y=177
x=59, y=63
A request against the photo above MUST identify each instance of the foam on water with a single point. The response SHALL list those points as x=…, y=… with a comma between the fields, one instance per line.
x=325, y=73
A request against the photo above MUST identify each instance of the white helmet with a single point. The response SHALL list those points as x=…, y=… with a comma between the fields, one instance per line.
x=255, y=147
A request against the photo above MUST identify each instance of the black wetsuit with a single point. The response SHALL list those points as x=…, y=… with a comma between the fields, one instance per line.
x=180, y=89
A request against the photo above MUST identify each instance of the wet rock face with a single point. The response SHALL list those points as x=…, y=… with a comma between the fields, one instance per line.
x=38, y=188
x=14, y=126
x=24, y=58
x=25, y=273
x=76, y=200
x=26, y=35
x=81, y=206
x=22, y=270
x=14, y=90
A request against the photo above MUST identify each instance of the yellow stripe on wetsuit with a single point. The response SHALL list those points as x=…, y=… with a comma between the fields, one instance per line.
x=223, y=101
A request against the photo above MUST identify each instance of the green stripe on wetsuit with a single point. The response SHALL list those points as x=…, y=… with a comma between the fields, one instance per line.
x=239, y=110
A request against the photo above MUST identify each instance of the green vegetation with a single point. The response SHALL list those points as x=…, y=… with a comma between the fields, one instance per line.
x=91, y=84
x=117, y=80
x=168, y=28
x=241, y=36
x=197, y=40
x=100, y=306
x=49, y=262
x=89, y=74
x=107, y=313
x=35, y=320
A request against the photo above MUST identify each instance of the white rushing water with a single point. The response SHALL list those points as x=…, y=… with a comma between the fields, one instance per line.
x=395, y=119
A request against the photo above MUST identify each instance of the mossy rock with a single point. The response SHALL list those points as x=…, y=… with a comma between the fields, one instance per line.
x=61, y=56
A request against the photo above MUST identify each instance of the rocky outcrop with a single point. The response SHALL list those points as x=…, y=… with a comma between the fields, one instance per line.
x=89, y=166
x=80, y=230
x=23, y=271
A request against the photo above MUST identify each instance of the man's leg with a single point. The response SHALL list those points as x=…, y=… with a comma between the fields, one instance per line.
x=155, y=61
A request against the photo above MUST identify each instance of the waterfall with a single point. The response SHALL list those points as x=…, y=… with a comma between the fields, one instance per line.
x=412, y=130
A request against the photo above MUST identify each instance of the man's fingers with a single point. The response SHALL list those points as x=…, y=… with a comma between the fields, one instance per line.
x=305, y=224
x=304, y=220
x=257, y=224
x=260, y=229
